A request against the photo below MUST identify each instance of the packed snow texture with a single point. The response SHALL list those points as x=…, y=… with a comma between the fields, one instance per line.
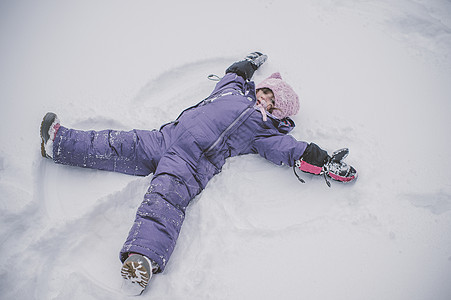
x=373, y=76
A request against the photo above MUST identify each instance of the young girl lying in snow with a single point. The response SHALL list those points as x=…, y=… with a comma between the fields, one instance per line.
x=237, y=118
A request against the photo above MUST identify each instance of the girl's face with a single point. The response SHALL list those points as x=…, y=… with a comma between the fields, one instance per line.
x=266, y=99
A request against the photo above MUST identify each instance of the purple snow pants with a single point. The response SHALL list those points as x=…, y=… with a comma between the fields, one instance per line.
x=138, y=152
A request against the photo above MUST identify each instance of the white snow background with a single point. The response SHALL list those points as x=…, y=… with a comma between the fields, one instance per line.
x=374, y=76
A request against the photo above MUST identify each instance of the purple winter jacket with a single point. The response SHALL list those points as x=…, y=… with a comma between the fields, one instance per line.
x=227, y=124
x=183, y=155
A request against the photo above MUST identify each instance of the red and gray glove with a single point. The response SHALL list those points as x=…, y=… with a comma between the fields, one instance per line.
x=317, y=161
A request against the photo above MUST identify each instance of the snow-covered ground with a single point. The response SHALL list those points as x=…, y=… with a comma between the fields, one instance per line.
x=373, y=76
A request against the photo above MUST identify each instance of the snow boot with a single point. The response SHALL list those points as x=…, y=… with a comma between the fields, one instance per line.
x=49, y=127
x=136, y=273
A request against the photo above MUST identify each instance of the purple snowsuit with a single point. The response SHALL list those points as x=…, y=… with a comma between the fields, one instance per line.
x=183, y=155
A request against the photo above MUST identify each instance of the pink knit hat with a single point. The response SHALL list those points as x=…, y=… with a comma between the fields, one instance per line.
x=286, y=100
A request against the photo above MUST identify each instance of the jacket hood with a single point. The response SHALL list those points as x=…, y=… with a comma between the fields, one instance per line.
x=285, y=125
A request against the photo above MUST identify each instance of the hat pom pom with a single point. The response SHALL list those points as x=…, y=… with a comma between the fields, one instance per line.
x=276, y=75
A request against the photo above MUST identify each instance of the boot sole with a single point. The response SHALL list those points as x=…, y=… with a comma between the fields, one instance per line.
x=136, y=274
x=44, y=131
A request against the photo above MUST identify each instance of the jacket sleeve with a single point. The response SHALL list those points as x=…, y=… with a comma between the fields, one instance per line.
x=279, y=149
x=230, y=81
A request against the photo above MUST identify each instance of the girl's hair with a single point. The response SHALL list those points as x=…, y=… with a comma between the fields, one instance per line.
x=267, y=91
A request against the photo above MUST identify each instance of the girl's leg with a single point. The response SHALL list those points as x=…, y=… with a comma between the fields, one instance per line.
x=160, y=216
x=135, y=152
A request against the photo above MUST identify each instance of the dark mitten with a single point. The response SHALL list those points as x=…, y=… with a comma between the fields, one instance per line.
x=313, y=160
x=316, y=161
x=246, y=68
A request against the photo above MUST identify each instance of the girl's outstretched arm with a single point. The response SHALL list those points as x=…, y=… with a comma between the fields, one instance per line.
x=280, y=149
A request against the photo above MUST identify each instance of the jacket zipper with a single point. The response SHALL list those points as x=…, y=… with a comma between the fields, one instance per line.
x=228, y=129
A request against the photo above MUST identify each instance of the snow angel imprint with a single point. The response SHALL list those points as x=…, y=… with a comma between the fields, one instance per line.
x=238, y=118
